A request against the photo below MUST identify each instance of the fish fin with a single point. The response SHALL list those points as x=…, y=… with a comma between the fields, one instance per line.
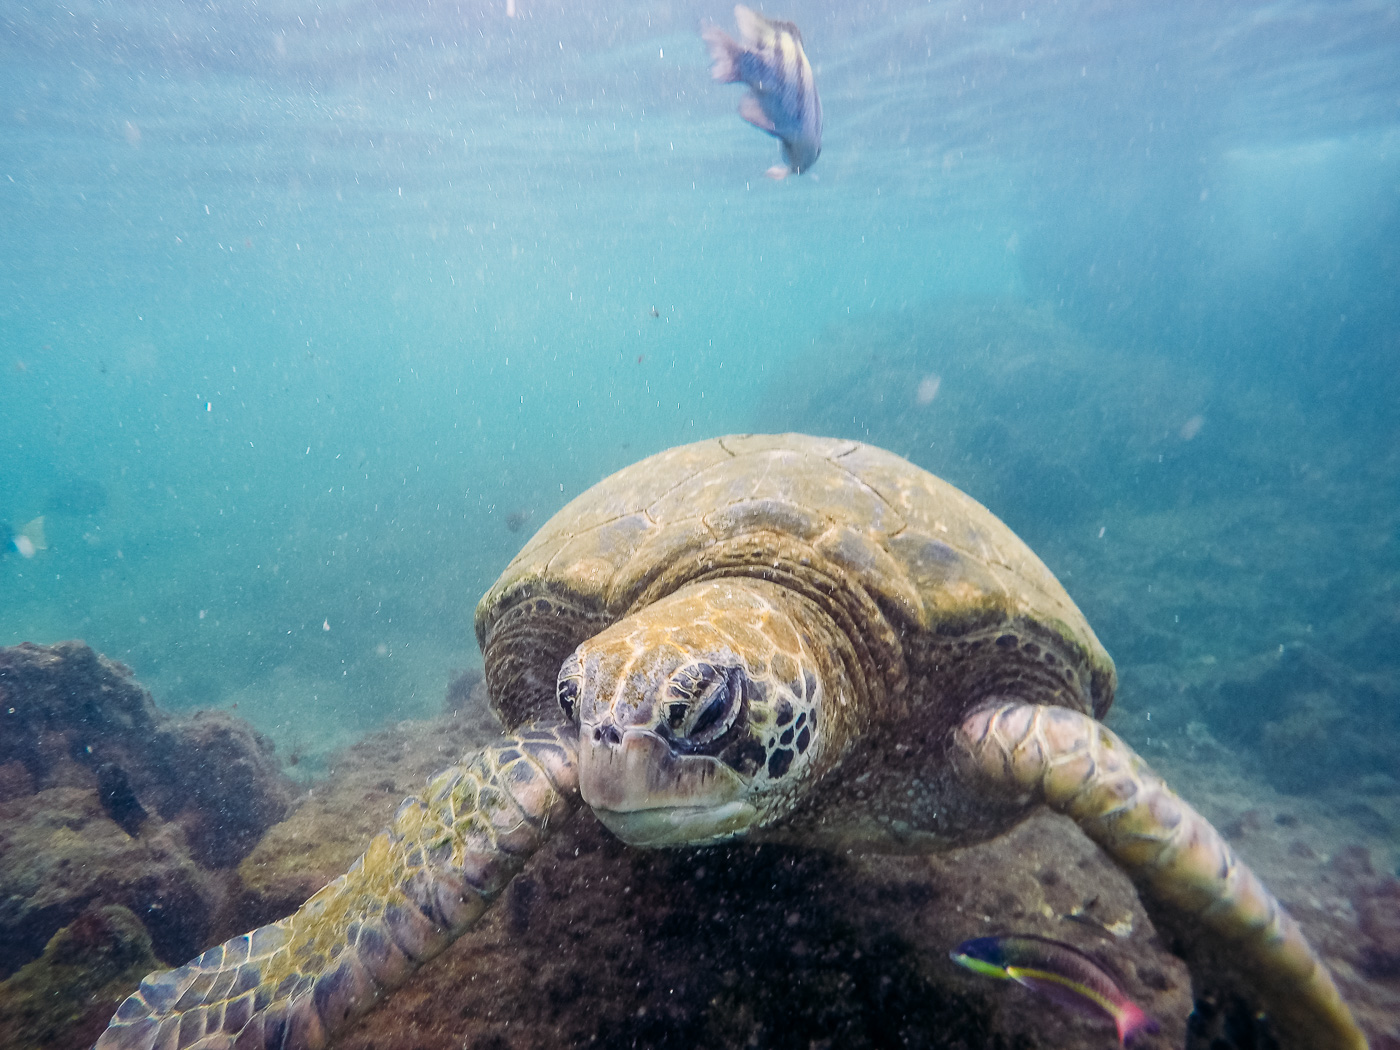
x=752, y=25
x=724, y=54
x=778, y=172
x=34, y=533
x=751, y=109
x=1133, y=1022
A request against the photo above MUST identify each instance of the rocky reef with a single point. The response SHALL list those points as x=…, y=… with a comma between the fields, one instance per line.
x=120, y=829
x=597, y=944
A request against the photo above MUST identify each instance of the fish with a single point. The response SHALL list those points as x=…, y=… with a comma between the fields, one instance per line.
x=782, y=99
x=28, y=541
x=1061, y=973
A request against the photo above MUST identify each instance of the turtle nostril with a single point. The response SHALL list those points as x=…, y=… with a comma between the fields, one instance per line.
x=607, y=734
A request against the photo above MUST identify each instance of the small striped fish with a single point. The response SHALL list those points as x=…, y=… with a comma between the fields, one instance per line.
x=783, y=95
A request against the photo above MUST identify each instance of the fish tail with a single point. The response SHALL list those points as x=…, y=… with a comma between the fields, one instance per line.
x=1132, y=1022
x=34, y=533
x=724, y=54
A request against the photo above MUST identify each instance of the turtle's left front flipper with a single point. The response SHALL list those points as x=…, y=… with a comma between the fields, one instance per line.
x=1191, y=882
x=294, y=984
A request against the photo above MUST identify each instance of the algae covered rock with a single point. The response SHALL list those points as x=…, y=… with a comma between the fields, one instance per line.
x=64, y=997
x=61, y=854
x=1009, y=403
x=107, y=800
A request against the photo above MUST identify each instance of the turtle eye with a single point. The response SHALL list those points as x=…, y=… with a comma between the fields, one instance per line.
x=567, y=693
x=703, y=704
x=717, y=709
x=712, y=720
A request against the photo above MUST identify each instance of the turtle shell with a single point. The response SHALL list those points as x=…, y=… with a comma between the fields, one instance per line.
x=935, y=563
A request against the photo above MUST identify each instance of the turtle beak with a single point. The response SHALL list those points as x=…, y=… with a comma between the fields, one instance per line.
x=647, y=795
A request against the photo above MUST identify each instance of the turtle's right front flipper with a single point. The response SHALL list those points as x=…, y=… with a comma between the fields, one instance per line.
x=417, y=887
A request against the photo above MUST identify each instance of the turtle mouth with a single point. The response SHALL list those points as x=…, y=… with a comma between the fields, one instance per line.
x=678, y=825
x=647, y=794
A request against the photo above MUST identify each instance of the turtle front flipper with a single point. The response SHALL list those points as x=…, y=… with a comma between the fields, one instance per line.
x=1195, y=888
x=420, y=884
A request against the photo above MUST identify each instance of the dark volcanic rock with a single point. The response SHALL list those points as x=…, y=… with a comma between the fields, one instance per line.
x=465, y=688
x=1010, y=404
x=1376, y=899
x=598, y=944
x=229, y=788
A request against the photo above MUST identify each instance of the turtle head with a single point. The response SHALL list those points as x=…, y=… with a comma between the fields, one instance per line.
x=700, y=717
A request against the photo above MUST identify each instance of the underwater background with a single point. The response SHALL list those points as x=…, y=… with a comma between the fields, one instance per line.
x=310, y=314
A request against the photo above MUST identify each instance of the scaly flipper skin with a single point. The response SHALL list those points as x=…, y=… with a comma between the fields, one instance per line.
x=1191, y=879
x=419, y=885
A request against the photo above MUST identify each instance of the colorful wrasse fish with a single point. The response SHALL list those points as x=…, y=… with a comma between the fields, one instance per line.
x=783, y=97
x=1060, y=973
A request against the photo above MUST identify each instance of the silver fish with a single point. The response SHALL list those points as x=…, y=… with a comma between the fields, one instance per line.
x=783, y=94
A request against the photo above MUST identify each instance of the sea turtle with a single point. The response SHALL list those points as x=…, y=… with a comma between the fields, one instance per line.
x=786, y=638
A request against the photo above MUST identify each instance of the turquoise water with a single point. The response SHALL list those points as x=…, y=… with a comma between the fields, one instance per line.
x=333, y=304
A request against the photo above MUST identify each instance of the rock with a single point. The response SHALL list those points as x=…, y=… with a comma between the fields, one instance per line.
x=600, y=944
x=465, y=690
x=1376, y=900
x=106, y=800
x=1010, y=404
x=229, y=788
x=1309, y=717
x=65, y=997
